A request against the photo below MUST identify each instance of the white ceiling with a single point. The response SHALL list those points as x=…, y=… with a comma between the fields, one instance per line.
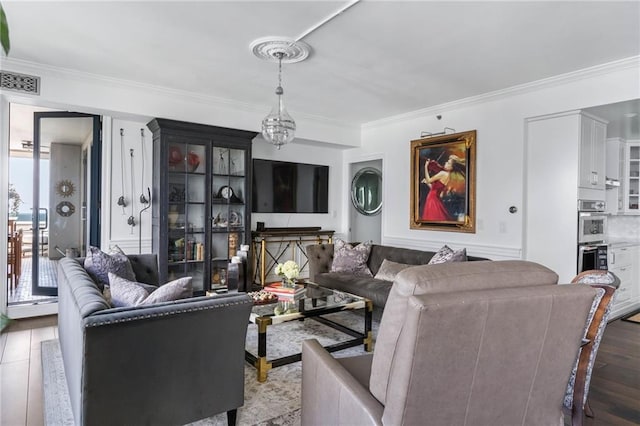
x=378, y=59
x=75, y=131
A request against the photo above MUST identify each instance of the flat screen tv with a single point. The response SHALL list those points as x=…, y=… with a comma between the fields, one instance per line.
x=284, y=187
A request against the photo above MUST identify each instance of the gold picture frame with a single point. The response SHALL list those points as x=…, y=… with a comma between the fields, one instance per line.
x=443, y=183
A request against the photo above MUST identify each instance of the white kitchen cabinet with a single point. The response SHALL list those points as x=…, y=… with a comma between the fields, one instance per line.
x=631, y=185
x=623, y=262
x=593, y=134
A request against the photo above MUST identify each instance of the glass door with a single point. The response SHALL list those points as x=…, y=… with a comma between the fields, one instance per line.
x=59, y=184
x=48, y=185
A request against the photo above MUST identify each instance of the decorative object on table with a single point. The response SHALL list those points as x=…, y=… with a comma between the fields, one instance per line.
x=285, y=307
x=233, y=274
x=283, y=290
x=278, y=127
x=289, y=271
x=262, y=297
x=65, y=188
x=443, y=185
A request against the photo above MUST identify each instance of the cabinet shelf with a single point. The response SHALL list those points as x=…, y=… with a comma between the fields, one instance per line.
x=232, y=176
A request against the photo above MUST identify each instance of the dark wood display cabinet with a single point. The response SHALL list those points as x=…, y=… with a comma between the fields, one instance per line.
x=201, y=199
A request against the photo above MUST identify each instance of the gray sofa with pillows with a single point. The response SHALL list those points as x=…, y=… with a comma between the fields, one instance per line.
x=374, y=279
x=164, y=363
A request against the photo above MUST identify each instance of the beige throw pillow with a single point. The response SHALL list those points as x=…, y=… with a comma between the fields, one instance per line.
x=388, y=270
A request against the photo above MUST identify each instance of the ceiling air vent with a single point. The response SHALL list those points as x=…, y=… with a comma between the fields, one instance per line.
x=20, y=82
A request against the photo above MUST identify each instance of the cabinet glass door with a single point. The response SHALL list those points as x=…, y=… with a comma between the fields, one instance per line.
x=186, y=165
x=228, y=188
x=633, y=187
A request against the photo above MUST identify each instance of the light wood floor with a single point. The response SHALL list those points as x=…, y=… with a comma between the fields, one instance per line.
x=21, y=370
x=614, y=394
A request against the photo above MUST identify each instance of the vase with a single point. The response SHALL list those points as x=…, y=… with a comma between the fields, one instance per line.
x=288, y=283
x=172, y=216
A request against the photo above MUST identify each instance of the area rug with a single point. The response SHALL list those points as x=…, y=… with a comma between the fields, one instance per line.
x=275, y=402
x=634, y=317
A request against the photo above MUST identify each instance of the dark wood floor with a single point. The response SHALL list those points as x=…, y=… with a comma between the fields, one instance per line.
x=614, y=395
x=615, y=384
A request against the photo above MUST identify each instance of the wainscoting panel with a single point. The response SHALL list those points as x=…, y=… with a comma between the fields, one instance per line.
x=488, y=251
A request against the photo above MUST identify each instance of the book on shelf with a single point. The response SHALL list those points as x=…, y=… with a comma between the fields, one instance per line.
x=279, y=289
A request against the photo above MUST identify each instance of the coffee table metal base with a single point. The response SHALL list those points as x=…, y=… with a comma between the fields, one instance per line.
x=263, y=365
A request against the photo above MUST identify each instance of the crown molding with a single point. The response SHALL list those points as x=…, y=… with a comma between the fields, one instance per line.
x=29, y=67
x=570, y=77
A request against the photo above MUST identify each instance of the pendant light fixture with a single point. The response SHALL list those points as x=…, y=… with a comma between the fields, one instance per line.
x=279, y=127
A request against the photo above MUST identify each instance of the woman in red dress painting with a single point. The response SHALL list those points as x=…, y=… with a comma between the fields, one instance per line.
x=438, y=177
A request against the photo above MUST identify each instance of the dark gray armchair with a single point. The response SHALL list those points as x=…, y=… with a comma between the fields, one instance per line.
x=164, y=364
x=475, y=343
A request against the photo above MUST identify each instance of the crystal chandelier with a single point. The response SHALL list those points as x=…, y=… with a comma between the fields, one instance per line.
x=279, y=127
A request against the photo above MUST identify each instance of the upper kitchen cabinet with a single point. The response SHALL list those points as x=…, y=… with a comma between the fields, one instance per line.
x=593, y=134
x=614, y=175
x=631, y=175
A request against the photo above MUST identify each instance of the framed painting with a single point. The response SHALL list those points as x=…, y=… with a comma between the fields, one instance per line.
x=443, y=184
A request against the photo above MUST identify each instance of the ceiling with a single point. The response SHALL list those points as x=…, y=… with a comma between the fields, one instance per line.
x=376, y=60
x=68, y=130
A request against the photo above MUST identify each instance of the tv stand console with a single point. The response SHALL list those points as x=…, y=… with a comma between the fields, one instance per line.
x=277, y=245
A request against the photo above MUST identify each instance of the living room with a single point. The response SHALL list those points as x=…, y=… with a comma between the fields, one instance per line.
x=379, y=128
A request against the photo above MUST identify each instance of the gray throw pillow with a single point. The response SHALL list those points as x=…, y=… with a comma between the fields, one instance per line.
x=98, y=264
x=388, y=270
x=446, y=254
x=349, y=259
x=126, y=293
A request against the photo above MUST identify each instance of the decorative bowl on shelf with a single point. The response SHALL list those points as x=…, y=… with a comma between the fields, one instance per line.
x=175, y=158
x=193, y=161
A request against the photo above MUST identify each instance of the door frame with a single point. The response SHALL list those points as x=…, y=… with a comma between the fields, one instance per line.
x=94, y=190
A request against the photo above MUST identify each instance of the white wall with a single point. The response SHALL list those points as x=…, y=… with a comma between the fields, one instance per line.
x=329, y=156
x=500, y=122
x=115, y=230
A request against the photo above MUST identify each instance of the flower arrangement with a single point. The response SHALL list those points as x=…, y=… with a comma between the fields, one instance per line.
x=289, y=270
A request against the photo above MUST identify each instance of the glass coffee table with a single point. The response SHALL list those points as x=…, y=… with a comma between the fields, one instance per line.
x=315, y=302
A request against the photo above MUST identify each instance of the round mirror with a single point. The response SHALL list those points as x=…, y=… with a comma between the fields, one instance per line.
x=366, y=191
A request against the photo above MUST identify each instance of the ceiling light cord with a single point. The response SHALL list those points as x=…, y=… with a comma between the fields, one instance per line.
x=327, y=19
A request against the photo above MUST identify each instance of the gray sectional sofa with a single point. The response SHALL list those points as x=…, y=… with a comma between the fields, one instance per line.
x=321, y=257
x=168, y=363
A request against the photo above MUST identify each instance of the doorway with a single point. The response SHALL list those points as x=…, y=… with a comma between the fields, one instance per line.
x=364, y=227
x=54, y=190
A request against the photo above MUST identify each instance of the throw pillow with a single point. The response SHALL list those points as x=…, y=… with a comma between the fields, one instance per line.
x=388, y=270
x=446, y=254
x=98, y=264
x=349, y=259
x=126, y=293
